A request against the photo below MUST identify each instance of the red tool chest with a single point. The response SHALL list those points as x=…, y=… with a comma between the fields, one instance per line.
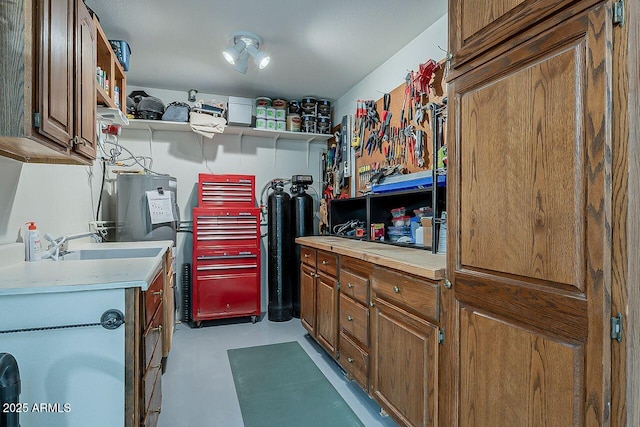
x=226, y=249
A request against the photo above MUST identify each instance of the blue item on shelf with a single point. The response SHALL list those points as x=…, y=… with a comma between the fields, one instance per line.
x=123, y=51
x=412, y=181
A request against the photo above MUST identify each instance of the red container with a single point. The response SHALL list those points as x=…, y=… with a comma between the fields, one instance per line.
x=226, y=283
x=226, y=190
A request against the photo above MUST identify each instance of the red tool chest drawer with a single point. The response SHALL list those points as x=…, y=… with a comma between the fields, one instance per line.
x=227, y=190
x=226, y=283
x=226, y=227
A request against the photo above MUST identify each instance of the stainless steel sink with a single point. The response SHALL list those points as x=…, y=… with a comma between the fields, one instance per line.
x=111, y=253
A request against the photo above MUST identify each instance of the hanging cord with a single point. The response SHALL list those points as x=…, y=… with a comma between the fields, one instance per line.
x=135, y=158
x=104, y=174
x=206, y=162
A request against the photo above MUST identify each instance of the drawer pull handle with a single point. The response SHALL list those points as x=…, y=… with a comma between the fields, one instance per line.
x=349, y=318
x=396, y=289
x=157, y=411
x=324, y=262
x=158, y=366
x=350, y=359
x=349, y=285
x=306, y=255
x=159, y=329
x=159, y=293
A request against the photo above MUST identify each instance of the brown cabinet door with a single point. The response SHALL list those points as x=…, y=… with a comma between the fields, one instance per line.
x=85, y=87
x=404, y=378
x=478, y=25
x=327, y=312
x=56, y=83
x=308, y=298
x=527, y=318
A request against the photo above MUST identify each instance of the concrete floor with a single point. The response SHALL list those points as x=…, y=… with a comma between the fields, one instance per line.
x=198, y=388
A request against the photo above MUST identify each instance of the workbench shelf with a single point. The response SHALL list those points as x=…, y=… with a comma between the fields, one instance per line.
x=376, y=208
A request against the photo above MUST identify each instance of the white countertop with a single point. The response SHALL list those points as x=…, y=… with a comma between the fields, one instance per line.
x=20, y=277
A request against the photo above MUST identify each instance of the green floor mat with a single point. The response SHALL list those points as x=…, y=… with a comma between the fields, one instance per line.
x=279, y=385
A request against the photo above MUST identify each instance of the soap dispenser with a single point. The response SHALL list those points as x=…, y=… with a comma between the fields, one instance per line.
x=32, y=243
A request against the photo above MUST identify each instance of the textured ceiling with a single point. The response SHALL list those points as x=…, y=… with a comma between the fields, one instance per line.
x=320, y=48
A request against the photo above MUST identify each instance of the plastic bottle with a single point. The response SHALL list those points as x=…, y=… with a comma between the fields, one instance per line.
x=32, y=243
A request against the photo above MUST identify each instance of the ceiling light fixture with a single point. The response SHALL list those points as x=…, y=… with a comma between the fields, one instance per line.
x=245, y=44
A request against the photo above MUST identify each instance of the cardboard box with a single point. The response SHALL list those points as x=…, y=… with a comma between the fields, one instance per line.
x=239, y=111
x=427, y=231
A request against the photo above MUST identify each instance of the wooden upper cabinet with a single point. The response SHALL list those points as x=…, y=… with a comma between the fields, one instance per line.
x=476, y=26
x=56, y=70
x=47, y=93
x=85, y=89
x=530, y=231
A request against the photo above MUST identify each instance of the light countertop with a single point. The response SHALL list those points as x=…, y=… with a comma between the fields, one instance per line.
x=20, y=277
x=415, y=261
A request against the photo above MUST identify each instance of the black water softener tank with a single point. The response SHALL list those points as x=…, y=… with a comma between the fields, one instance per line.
x=280, y=254
x=9, y=391
x=302, y=222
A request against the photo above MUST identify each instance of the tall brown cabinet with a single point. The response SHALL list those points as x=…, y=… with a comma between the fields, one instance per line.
x=543, y=212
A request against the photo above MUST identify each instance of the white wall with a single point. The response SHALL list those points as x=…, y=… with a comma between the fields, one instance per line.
x=392, y=72
x=57, y=197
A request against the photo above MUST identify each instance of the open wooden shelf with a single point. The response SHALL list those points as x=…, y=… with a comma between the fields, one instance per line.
x=107, y=60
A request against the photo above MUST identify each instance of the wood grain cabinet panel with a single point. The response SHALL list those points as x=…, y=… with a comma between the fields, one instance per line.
x=478, y=26
x=327, y=312
x=354, y=319
x=411, y=293
x=354, y=285
x=533, y=375
x=355, y=361
x=404, y=375
x=327, y=263
x=308, y=298
x=527, y=316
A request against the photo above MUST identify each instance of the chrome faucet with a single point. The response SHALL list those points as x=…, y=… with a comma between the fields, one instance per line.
x=59, y=246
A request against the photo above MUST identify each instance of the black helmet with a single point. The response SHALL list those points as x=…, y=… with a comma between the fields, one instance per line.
x=150, y=108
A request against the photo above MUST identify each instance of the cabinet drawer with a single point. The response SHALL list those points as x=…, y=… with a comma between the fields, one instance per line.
x=327, y=263
x=308, y=256
x=355, y=361
x=152, y=337
x=153, y=297
x=355, y=286
x=150, y=379
x=155, y=404
x=354, y=319
x=413, y=294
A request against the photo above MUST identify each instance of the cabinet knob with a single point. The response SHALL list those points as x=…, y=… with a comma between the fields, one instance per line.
x=324, y=262
x=396, y=289
x=159, y=293
x=306, y=255
x=447, y=284
x=349, y=285
x=349, y=318
x=350, y=359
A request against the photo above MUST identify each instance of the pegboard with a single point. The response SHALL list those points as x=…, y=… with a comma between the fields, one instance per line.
x=376, y=157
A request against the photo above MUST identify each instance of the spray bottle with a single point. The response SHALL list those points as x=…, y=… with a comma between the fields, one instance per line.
x=32, y=243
